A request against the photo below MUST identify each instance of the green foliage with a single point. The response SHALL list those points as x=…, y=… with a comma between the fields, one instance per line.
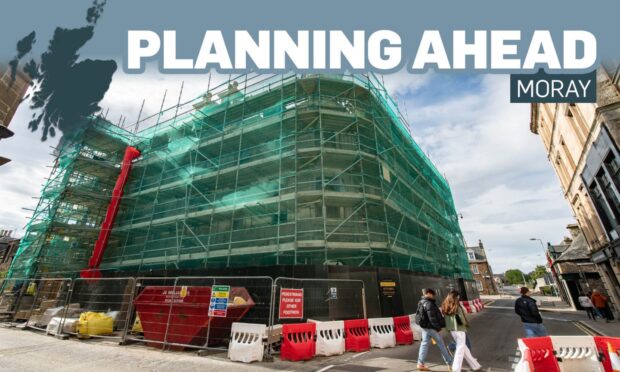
x=547, y=291
x=515, y=276
x=539, y=272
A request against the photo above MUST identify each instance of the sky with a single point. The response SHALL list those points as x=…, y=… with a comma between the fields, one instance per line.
x=503, y=185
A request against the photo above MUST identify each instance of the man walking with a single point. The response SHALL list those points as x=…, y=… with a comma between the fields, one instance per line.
x=526, y=308
x=431, y=321
x=599, y=300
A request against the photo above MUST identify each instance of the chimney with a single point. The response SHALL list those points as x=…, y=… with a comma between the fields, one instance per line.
x=480, y=244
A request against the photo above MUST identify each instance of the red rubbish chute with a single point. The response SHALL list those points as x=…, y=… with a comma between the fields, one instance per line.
x=102, y=241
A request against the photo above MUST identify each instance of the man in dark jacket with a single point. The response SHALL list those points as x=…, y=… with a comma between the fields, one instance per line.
x=526, y=308
x=430, y=319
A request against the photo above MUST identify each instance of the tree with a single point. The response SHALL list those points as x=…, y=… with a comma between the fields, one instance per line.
x=515, y=276
x=539, y=272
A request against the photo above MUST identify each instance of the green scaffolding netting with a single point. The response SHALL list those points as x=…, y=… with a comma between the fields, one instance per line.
x=262, y=170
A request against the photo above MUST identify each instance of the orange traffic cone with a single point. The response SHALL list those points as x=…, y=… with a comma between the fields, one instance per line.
x=613, y=358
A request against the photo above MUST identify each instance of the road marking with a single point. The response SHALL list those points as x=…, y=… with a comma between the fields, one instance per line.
x=584, y=329
x=358, y=354
x=326, y=368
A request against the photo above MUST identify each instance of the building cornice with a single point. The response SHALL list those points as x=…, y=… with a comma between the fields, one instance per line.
x=534, y=113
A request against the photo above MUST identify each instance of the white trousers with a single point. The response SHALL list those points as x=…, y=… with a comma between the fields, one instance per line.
x=462, y=351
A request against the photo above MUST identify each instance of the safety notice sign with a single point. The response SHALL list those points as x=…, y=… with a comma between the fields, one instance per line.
x=219, y=300
x=291, y=303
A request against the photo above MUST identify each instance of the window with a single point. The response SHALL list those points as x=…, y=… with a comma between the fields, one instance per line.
x=474, y=269
x=334, y=212
x=479, y=285
x=606, y=215
x=613, y=168
x=471, y=255
x=609, y=191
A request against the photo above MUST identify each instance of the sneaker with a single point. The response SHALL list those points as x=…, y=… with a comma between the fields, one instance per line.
x=422, y=367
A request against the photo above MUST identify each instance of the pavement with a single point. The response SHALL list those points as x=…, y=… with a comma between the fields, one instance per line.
x=494, y=334
x=602, y=328
x=23, y=350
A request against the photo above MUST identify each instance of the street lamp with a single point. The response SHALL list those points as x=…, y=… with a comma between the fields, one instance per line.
x=541, y=244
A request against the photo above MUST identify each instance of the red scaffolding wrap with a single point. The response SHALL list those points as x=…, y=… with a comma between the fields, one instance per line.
x=102, y=241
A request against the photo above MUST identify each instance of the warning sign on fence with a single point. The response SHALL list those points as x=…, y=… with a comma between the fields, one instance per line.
x=291, y=303
x=219, y=300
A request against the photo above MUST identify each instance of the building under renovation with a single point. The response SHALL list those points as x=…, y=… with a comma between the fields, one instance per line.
x=303, y=175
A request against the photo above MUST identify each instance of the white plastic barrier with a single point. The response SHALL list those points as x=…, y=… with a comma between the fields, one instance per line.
x=417, y=330
x=576, y=353
x=330, y=338
x=246, y=342
x=382, y=332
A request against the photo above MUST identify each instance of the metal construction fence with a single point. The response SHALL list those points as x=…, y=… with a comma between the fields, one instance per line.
x=175, y=312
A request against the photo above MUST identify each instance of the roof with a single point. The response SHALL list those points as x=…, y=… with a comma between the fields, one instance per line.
x=479, y=253
x=558, y=249
x=577, y=250
x=7, y=239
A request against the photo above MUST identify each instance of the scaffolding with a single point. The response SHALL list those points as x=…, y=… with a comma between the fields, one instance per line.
x=262, y=170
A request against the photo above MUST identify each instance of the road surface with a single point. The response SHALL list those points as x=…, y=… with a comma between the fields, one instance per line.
x=494, y=333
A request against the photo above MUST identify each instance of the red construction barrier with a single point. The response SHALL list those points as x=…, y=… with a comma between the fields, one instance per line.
x=603, y=344
x=527, y=357
x=298, y=341
x=402, y=330
x=356, y=337
x=478, y=304
x=466, y=306
x=541, y=352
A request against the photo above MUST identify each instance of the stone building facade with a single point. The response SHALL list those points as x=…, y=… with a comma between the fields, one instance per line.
x=582, y=142
x=13, y=87
x=8, y=248
x=577, y=274
x=481, y=270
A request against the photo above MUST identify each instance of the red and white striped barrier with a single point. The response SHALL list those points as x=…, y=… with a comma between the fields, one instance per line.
x=473, y=306
x=303, y=341
x=569, y=354
x=466, y=306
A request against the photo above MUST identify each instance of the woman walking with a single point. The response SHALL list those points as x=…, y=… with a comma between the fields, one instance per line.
x=586, y=303
x=457, y=324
